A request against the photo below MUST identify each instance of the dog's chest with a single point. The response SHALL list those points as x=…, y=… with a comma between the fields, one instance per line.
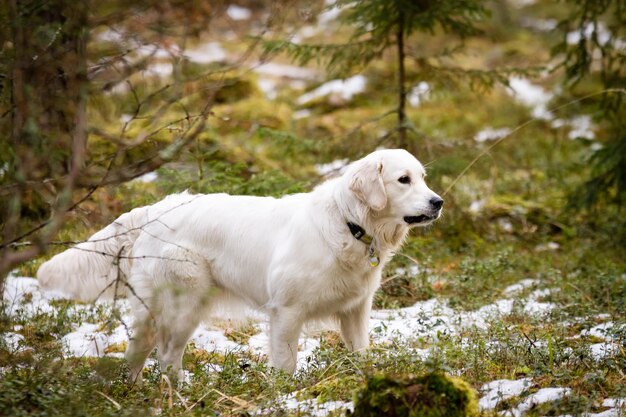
x=324, y=279
x=341, y=289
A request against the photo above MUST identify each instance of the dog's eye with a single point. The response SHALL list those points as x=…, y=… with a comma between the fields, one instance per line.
x=405, y=179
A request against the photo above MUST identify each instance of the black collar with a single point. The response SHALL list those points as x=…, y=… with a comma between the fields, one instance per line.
x=359, y=233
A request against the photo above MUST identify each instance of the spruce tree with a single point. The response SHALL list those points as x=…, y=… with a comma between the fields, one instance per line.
x=592, y=48
x=382, y=25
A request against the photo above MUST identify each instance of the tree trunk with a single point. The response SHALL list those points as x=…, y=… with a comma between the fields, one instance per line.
x=48, y=132
x=402, y=128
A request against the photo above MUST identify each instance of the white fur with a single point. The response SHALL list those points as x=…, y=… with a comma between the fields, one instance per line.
x=292, y=257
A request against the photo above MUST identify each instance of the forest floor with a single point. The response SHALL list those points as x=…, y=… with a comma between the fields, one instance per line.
x=522, y=356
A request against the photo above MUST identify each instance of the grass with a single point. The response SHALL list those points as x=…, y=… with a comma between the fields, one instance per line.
x=38, y=379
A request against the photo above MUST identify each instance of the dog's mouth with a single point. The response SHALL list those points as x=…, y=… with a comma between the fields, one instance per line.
x=421, y=219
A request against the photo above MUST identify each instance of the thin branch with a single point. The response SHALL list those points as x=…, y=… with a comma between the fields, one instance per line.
x=42, y=225
x=401, y=81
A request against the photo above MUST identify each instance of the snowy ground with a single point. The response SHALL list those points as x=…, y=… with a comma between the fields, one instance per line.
x=426, y=320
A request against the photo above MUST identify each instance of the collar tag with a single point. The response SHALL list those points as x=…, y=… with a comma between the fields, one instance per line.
x=373, y=257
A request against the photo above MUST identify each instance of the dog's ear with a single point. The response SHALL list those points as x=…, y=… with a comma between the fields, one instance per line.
x=366, y=182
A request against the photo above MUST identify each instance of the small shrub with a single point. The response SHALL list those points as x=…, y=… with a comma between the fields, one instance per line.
x=430, y=395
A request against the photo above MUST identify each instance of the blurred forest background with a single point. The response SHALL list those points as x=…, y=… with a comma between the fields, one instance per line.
x=255, y=98
x=516, y=107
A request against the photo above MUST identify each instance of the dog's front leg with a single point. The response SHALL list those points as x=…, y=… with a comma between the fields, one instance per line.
x=285, y=326
x=354, y=326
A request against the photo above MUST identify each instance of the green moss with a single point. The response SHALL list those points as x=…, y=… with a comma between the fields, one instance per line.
x=430, y=395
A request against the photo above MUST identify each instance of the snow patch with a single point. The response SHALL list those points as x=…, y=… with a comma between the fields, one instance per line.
x=599, y=351
x=268, y=87
x=522, y=3
x=156, y=51
x=335, y=167
x=537, y=308
x=610, y=346
x=111, y=35
x=13, y=342
x=213, y=341
x=542, y=396
x=580, y=127
x=89, y=341
x=238, y=13
x=161, y=69
x=259, y=342
x=119, y=88
x=343, y=89
x=505, y=225
x=614, y=412
x=305, y=32
x=418, y=93
x=614, y=402
x=22, y=295
x=476, y=206
x=520, y=286
x=285, y=71
x=428, y=318
x=329, y=15
x=310, y=406
x=489, y=134
x=541, y=25
x=600, y=331
x=3, y=169
x=206, y=53
x=596, y=146
x=531, y=95
x=148, y=177
x=412, y=271
x=547, y=247
x=502, y=389
x=301, y=114
x=433, y=317
x=587, y=32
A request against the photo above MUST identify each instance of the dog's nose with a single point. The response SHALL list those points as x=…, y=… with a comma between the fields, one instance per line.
x=436, y=202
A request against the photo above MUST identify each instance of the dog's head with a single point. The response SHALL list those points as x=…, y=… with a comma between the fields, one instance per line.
x=391, y=183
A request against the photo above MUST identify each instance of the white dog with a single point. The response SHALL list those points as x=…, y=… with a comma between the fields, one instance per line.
x=298, y=258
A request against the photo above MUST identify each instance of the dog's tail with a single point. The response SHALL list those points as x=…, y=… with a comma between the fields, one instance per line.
x=99, y=267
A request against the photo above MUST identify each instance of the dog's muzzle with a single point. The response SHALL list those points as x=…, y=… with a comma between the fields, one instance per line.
x=422, y=218
x=436, y=203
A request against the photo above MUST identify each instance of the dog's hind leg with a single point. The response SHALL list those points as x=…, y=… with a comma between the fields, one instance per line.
x=171, y=341
x=184, y=302
x=142, y=342
x=142, y=339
